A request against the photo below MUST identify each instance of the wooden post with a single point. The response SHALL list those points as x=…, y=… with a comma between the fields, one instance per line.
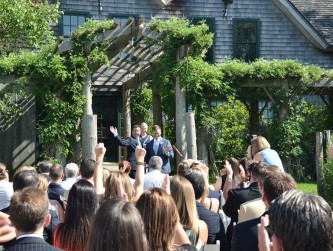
x=126, y=115
x=180, y=117
x=89, y=135
x=191, y=138
x=319, y=162
x=203, y=140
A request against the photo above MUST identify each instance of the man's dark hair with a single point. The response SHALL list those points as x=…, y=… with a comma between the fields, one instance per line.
x=28, y=209
x=56, y=172
x=265, y=170
x=44, y=166
x=198, y=183
x=302, y=222
x=276, y=183
x=87, y=168
x=23, y=179
x=254, y=169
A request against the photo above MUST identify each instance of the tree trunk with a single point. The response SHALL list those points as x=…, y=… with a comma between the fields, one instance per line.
x=254, y=118
x=157, y=110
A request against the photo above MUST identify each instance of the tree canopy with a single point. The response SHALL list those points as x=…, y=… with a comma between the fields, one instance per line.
x=26, y=23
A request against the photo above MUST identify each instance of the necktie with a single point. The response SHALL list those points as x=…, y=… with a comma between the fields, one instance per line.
x=139, y=142
x=156, y=146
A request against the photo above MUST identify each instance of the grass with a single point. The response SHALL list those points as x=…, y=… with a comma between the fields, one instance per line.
x=307, y=187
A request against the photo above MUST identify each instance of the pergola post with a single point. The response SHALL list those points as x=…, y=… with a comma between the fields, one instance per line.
x=180, y=115
x=191, y=137
x=89, y=121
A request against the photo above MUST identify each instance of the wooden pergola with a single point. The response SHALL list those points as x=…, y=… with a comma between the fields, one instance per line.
x=131, y=63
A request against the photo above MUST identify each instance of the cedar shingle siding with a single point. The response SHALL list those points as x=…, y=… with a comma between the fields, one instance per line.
x=279, y=38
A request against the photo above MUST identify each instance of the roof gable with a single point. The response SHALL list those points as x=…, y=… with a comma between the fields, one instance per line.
x=313, y=18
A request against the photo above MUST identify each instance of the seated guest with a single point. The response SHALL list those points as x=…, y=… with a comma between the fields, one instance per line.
x=213, y=220
x=87, y=169
x=29, y=213
x=44, y=168
x=114, y=217
x=245, y=234
x=161, y=221
x=183, y=194
x=255, y=208
x=154, y=178
x=297, y=222
x=29, y=178
x=6, y=187
x=125, y=167
x=55, y=190
x=261, y=151
x=56, y=209
x=238, y=196
x=81, y=206
x=71, y=172
x=110, y=189
x=210, y=202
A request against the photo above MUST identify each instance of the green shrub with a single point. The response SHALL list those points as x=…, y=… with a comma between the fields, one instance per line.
x=231, y=130
x=328, y=181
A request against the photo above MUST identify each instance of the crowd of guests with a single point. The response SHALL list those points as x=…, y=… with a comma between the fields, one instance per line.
x=89, y=207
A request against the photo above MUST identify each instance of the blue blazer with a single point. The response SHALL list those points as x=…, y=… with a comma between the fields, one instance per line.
x=165, y=157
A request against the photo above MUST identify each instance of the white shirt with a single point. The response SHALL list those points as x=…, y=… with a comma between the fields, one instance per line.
x=153, y=179
x=68, y=183
x=6, y=193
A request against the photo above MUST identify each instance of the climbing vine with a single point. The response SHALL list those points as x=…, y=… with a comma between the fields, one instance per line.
x=56, y=80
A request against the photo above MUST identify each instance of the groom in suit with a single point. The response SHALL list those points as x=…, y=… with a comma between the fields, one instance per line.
x=29, y=213
x=160, y=147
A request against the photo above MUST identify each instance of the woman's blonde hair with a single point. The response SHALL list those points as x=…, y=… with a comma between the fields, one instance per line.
x=259, y=143
x=160, y=217
x=111, y=186
x=43, y=184
x=183, y=194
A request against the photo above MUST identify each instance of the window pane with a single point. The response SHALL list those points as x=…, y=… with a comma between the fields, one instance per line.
x=67, y=30
x=81, y=20
x=246, y=52
x=246, y=32
x=74, y=20
x=66, y=20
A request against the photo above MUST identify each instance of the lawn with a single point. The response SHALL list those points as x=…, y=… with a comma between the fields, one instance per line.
x=307, y=187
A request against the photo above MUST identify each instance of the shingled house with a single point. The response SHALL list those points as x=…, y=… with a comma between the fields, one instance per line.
x=244, y=29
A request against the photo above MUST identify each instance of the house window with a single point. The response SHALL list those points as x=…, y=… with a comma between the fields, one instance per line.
x=210, y=55
x=122, y=19
x=246, y=39
x=71, y=22
x=265, y=107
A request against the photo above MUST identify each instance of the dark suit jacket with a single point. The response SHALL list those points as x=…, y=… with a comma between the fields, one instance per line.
x=236, y=197
x=54, y=192
x=131, y=143
x=165, y=157
x=31, y=244
x=215, y=225
x=245, y=236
